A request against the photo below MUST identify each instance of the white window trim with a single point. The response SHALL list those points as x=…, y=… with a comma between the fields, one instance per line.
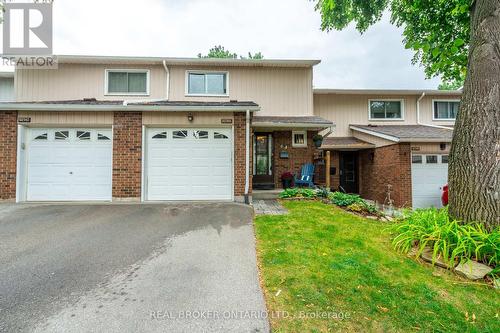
x=186, y=83
x=299, y=145
x=434, y=113
x=386, y=100
x=130, y=70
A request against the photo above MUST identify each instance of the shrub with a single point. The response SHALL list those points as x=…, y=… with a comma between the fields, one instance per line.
x=344, y=199
x=322, y=192
x=362, y=207
x=297, y=193
x=447, y=237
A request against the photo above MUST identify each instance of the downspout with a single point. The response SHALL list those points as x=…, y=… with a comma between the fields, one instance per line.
x=247, y=157
x=418, y=115
x=418, y=108
x=167, y=71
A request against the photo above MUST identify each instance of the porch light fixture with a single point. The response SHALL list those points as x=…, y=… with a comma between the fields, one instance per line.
x=190, y=117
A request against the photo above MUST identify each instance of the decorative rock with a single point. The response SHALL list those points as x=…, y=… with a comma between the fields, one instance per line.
x=472, y=270
x=496, y=283
x=372, y=217
x=389, y=218
x=427, y=256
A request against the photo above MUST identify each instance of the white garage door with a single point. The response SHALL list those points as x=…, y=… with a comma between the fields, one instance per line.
x=189, y=164
x=69, y=164
x=429, y=175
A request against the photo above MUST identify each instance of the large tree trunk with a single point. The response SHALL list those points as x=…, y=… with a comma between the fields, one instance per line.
x=475, y=154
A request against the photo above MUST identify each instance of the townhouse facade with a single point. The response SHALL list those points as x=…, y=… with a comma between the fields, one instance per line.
x=154, y=129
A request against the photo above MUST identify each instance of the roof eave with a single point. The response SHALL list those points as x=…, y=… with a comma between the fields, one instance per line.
x=290, y=125
x=120, y=107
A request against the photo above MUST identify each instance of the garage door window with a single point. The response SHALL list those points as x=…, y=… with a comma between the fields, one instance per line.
x=218, y=135
x=162, y=135
x=200, y=134
x=102, y=137
x=180, y=134
x=43, y=136
x=83, y=135
x=431, y=159
x=61, y=135
x=416, y=159
x=444, y=159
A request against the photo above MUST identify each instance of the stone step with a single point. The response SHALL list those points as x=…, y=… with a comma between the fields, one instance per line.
x=266, y=194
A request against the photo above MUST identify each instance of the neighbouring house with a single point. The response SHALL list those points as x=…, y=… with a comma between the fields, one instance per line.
x=154, y=129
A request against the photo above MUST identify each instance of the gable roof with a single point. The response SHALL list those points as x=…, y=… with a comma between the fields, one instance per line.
x=407, y=133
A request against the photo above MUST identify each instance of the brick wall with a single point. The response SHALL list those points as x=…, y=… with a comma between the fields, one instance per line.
x=296, y=156
x=8, y=154
x=390, y=165
x=239, y=155
x=127, y=154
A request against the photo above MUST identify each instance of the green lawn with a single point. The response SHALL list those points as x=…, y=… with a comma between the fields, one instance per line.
x=320, y=260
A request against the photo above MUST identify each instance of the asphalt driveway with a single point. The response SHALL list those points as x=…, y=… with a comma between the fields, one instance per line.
x=129, y=268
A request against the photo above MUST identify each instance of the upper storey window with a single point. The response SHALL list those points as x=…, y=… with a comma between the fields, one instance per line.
x=445, y=110
x=207, y=83
x=386, y=109
x=127, y=82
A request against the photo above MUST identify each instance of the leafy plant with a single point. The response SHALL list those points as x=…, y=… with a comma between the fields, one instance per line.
x=356, y=207
x=298, y=193
x=343, y=199
x=322, y=192
x=446, y=237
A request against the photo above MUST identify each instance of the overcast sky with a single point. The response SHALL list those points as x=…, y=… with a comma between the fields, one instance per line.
x=278, y=28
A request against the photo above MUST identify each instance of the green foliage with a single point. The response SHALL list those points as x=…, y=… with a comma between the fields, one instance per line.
x=362, y=207
x=298, y=193
x=437, y=31
x=343, y=199
x=356, y=207
x=319, y=257
x=451, y=85
x=322, y=192
x=220, y=52
x=447, y=237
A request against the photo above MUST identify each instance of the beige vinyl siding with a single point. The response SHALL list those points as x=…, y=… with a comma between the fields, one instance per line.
x=345, y=110
x=78, y=81
x=67, y=118
x=278, y=91
x=181, y=119
x=429, y=148
x=378, y=142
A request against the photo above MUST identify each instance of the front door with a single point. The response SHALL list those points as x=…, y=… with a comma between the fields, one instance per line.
x=263, y=153
x=349, y=171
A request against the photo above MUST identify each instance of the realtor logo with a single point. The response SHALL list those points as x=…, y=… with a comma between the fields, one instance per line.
x=27, y=29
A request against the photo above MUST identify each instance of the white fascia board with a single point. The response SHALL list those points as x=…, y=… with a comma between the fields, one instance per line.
x=380, y=135
x=290, y=125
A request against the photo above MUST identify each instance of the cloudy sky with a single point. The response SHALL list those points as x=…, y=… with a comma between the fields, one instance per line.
x=277, y=28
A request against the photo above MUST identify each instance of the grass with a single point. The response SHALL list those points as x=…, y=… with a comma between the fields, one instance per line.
x=322, y=261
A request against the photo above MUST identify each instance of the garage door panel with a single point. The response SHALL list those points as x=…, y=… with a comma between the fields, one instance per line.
x=189, y=168
x=72, y=169
x=427, y=181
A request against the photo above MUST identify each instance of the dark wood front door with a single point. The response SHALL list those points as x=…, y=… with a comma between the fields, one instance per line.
x=263, y=160
x=349, y=171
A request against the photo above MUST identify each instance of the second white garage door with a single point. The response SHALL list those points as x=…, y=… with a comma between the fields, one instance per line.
x=429, y=173
x=189, y=164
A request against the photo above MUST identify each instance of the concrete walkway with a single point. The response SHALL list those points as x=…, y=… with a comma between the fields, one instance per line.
x=268, y=207
x=129, y=268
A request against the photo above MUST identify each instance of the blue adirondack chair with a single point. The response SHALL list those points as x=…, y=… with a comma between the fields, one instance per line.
x=306, y=176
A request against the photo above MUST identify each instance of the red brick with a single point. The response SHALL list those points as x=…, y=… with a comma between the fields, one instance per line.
x=8, y=153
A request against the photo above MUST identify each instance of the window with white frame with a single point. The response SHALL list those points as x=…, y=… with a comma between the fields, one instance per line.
x=386, y=109
x=299, y=139
x=207, y=83
x=445, y=110
x=127, y=82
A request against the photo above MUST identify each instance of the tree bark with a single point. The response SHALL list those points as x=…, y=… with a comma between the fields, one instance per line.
x=474, y=169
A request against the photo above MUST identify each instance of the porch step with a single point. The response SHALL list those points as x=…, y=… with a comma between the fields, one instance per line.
x=264, y=186
x=266, y=194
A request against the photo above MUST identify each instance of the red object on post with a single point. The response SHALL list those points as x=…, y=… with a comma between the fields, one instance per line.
x=444, y=196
